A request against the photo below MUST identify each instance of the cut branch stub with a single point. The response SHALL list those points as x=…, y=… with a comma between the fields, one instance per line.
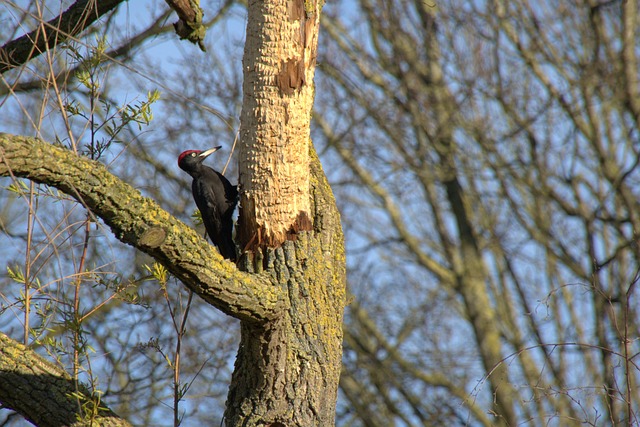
x=190, y=26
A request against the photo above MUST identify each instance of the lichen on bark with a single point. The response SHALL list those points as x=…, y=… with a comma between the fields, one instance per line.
x=287, y=371
x=45, y=394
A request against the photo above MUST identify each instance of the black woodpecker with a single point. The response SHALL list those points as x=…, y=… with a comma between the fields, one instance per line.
x=215, y=197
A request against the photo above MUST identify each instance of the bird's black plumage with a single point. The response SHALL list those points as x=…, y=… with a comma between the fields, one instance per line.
x=215, y=197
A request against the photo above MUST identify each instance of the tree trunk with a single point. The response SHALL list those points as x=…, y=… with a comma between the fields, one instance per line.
x=467, y=262
x=279, y=64
x=287, y=370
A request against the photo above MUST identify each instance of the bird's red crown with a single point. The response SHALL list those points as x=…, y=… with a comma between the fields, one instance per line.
x=186, y=153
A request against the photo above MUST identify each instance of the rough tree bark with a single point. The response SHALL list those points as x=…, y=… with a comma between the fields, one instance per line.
x=287, y=370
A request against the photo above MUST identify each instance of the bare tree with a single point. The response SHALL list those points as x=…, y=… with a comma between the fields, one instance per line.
x=498, y=146
x=288, y=292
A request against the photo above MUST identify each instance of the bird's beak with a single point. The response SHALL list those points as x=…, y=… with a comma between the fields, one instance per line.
x=209, y=151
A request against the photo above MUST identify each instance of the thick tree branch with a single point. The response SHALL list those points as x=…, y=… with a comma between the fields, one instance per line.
x=70, y=23
x=140, y=222
x=121, y=53
x=44, y=393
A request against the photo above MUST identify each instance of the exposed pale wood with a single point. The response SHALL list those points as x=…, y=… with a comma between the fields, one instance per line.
x=279, y=65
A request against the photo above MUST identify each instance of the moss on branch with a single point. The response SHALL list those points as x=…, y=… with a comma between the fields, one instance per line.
x=45, y=394
x=143, y=224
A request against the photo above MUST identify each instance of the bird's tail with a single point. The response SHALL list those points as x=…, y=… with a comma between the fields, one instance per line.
x=225, y=244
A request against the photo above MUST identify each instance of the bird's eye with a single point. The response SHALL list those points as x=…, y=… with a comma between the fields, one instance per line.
x=193, y=154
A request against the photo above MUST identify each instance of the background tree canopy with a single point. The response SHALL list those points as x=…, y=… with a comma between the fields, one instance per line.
x=484, y=156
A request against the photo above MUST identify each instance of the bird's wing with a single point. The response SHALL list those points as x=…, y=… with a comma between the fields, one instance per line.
x=206, y=199
x=230, y=190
